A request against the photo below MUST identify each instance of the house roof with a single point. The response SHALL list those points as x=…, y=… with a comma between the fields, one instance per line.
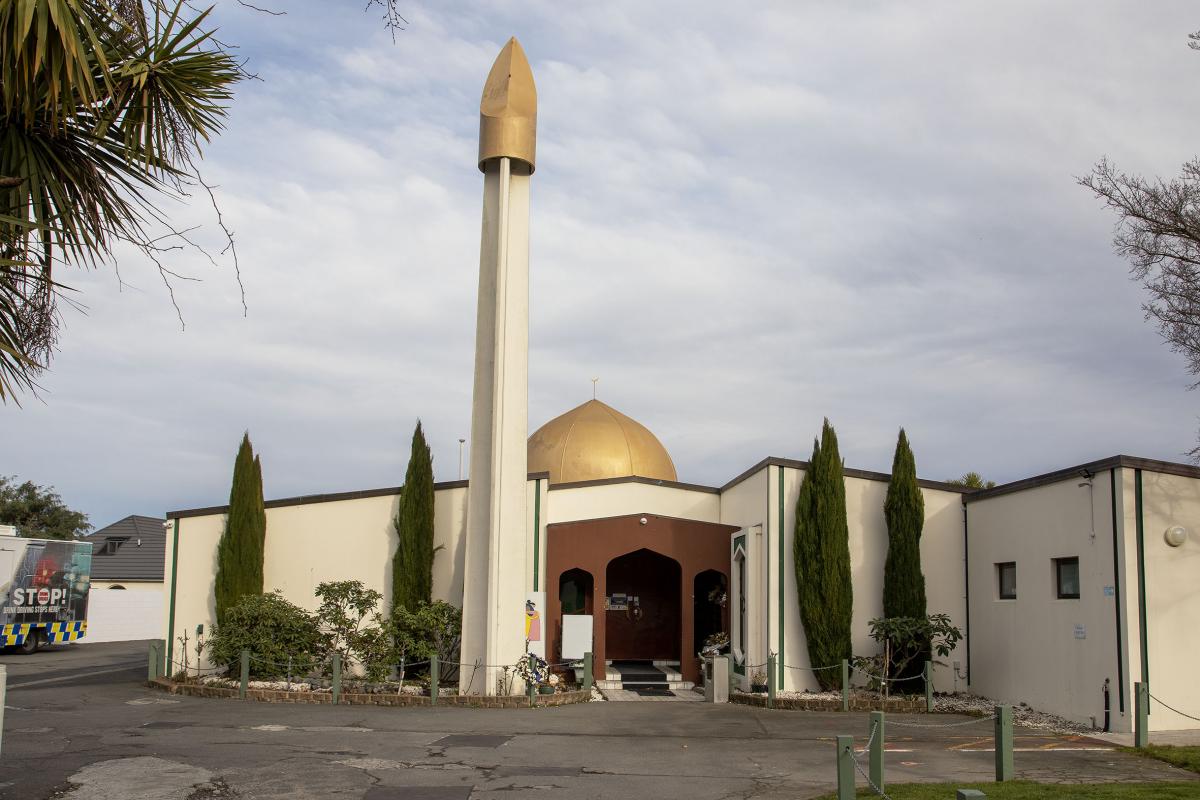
x=140, y=550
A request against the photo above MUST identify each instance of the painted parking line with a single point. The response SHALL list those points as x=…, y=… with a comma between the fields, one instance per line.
x=128, y=668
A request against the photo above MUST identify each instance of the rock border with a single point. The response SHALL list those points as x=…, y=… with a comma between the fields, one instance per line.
x=365, y=699
x=893, y=705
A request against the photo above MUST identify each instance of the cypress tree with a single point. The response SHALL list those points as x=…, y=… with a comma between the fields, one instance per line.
x=821, y=549
x=412, y=565
x=240, y=551
x=903, y=581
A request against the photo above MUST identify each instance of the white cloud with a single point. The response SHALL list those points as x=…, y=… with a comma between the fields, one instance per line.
x=743, y=222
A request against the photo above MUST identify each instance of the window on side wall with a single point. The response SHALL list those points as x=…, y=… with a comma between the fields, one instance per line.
x=1006, y=580
x=1066, y=578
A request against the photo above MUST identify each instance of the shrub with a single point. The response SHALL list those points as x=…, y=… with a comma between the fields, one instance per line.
x=344, y=607
x=273, y=630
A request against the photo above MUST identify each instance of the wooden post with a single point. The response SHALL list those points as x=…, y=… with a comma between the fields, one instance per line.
x=1141, y=714
x=434, y=676
x=1004, y=744
x=845, y=685
x=587, y=672
x=928, y=687
x=876, y=755
x=337, y=677
x=845, y=768
x=245, y=682
x=771, y=679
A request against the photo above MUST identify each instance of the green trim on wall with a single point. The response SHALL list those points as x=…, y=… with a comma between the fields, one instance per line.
x=782, y=582
x=171, y=613
x=1139, y=511
x=1112, y=491
x=537, y=530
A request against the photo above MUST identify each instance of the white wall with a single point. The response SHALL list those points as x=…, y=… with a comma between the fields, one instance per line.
x=941, y=562
x=1027, y=650
x=1172, y=596
x=123, y=616
x=618, y=499
x=746, y=506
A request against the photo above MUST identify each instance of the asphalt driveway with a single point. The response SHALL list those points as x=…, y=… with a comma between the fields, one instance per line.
x=79, y=722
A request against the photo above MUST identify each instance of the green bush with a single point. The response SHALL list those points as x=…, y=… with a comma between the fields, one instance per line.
x=273, y=630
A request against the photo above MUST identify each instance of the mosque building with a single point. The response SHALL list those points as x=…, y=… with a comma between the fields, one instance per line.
x=1070, y=587
x=1065, y=584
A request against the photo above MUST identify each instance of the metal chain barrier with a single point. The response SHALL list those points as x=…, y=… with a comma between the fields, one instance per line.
x=1176, y=710
x=947, y=725
x=812, y=669
x=861, y=771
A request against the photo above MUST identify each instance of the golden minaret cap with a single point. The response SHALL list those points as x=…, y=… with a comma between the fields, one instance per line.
x=508, y=110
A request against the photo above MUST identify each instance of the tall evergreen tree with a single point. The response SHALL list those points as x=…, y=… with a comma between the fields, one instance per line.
x=240, y=551
x=412, y=565
x=821, y=549
x=903, y=581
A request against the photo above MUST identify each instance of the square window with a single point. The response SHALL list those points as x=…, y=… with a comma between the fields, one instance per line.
x=1006, y=580
x=1066, y=578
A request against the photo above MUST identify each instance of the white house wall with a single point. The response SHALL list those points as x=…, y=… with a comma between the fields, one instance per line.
x=1052, y=654
x=618, y=499
x=1172, y=596
x=746, y=506
x=941, y=561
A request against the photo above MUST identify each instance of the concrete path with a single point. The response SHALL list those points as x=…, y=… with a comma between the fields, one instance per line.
x=102, y=734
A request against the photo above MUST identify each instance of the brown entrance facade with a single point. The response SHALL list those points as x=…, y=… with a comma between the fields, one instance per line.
x=667, y=577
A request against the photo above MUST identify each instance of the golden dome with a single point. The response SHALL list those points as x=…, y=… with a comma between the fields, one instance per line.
x=595, y=441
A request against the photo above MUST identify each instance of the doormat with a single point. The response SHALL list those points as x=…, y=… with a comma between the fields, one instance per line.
x=653, y=691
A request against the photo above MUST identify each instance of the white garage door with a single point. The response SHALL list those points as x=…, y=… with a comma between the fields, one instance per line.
x=119, y=616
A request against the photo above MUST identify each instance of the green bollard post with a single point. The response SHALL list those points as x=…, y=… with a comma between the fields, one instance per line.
x=1004, y=744
x=587, y=672
x=876, y=755
x=337, y=677
x=245, y=682
x=154, y=660
x=928, y=687
x=845, y=685
x=845, y=768
x=771, y=678
x=1141, y=714
x=433, y=680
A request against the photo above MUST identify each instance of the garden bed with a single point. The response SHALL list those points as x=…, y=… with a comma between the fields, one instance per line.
x=305, y=694
x=832, y=701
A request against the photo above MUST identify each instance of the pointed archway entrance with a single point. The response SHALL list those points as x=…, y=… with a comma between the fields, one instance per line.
x=662, y=562
x=642, y=621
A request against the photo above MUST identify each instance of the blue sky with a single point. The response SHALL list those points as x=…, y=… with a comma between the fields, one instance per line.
x=743, y=222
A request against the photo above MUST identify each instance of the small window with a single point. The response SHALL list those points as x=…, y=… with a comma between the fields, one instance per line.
x=1066, y=578
x=1006, y=580
x=111, y=545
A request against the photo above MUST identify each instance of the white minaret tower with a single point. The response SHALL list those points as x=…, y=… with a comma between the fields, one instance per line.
x=496, y=560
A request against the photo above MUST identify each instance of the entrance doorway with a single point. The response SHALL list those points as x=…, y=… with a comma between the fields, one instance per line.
x=642, y=620
x=710, y=599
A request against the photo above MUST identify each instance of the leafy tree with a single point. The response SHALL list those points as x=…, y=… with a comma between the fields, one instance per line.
x=276, y=632
x=904, y=639
x=241, y=549
x=972, y=480
x=38, y=511
x=104, y=107
x=903, y=580
x=412, y=565
x=345, y=605
x=821, y=549
x=1158, y=231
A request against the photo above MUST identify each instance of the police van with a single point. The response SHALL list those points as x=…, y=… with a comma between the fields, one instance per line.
x=43, y=590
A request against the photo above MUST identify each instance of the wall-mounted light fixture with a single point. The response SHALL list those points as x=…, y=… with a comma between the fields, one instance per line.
x=1176, y=535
